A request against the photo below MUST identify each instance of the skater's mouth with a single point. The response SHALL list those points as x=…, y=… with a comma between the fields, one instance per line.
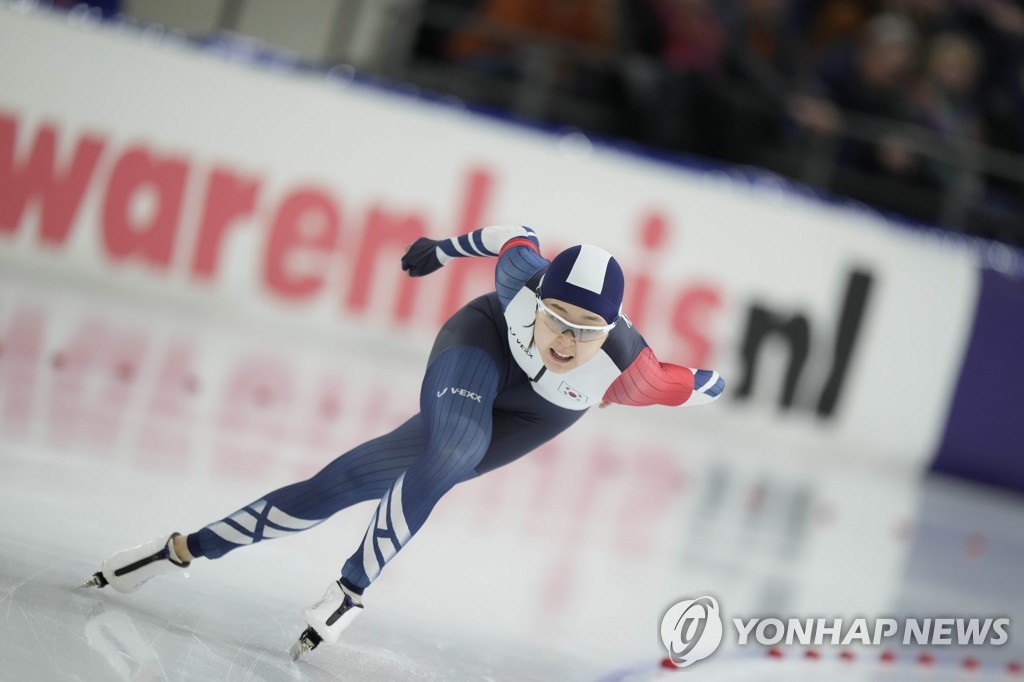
x=558, y=357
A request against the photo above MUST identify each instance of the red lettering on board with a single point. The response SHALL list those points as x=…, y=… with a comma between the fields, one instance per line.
x=302, y=238
x=654, y=232
x=229, y=197
x=691, y=322
x=384, y=238
x=142, y=206
x=58, y=194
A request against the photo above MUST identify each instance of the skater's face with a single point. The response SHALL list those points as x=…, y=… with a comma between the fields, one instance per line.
x=566, y=335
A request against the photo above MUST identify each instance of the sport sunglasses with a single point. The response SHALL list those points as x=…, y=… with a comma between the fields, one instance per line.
x=560, y=325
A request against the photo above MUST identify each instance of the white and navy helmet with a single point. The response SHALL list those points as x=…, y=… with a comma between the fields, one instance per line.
x=586, y=276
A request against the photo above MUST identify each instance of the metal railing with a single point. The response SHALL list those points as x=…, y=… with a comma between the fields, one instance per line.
x=536, y=94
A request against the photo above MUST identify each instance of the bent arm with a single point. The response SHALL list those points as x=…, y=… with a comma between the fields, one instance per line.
x=649, y=382
x=427, y=255
x=487, y=241
x=516, y=247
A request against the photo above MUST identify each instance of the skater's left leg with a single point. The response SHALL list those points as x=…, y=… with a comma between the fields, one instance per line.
x=456, y=403
x=519, y=421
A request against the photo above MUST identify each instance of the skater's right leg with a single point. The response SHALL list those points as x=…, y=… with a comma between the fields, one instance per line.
x=126, y=570
x=363, y=473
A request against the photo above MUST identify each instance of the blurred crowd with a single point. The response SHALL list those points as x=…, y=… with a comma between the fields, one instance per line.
x=893, y=102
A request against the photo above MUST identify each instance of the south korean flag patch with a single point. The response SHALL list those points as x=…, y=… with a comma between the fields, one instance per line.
x=570, y=392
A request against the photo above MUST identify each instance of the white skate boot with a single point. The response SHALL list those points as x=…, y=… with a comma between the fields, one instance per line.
x=126, y=570
x=327, y=618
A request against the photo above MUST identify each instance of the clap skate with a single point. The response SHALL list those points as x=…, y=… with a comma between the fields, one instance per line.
x=126, y=570
x=327, y=618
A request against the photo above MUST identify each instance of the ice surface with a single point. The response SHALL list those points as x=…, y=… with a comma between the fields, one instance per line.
x=234, y=619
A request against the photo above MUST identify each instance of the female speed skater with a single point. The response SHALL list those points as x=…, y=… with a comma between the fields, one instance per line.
x=509, y=371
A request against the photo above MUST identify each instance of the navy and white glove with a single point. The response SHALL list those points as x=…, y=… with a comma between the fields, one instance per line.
x=421, y=258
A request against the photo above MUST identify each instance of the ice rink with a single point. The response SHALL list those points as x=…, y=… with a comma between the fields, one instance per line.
x=567, y=586
x=234, y=620
x=229, y=624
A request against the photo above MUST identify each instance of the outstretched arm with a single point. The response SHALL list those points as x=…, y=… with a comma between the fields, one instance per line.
x=650, y=382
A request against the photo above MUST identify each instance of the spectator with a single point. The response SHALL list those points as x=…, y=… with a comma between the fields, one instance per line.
x=1004, y=109
x=832, y=24
x=930, y=17
x=753, y=81
x=774, y=89
x=997, y=27
x=1001, y=215
x=497, y=42
x=692, y=36
x=443, y=18
x=875, y=79
x=676, y=50
x=947, y=93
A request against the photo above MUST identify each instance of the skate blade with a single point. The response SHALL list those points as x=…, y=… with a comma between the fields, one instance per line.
x=308, y=641
x=97, y=580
